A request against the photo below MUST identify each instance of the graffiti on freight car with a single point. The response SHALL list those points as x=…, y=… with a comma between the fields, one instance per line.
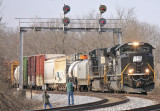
x=59, y=76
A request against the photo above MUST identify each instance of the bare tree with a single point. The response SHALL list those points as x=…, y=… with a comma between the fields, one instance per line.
x=0, y=9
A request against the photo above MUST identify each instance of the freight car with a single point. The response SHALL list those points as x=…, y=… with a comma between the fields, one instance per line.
x=10, y=69
x=33, y=70
x=55, y=73
x=125, y=67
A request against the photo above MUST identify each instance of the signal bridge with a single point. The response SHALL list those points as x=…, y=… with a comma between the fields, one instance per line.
x=38, y=24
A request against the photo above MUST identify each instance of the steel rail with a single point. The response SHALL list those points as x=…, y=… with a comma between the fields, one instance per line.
x=76, y=106
x=147, y=108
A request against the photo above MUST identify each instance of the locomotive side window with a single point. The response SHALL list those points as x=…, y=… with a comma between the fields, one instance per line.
x=127, y=50
x=144, y=49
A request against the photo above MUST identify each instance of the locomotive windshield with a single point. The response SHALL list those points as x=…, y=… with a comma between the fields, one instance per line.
x=132, y=49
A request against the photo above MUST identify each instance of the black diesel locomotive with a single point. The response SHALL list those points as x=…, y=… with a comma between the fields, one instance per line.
x=127, y=67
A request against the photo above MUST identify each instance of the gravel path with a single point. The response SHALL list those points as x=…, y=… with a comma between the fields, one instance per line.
x=134, y=102
x=60, y=100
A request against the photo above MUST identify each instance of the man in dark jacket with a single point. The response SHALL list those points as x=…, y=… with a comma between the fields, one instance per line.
x=46, y=102
x=70, y=91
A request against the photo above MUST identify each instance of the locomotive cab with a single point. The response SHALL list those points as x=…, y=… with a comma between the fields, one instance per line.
x=137, y=67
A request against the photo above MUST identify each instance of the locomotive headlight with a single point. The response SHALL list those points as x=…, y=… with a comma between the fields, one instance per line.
x=147, y=70
x=131, y=71
x=136, y=43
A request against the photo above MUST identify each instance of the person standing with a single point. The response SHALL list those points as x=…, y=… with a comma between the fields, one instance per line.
x=46, y=102
x=70, y=86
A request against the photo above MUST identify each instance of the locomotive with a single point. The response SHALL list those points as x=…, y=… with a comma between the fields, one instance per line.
x=128, y=67
x=125, y=67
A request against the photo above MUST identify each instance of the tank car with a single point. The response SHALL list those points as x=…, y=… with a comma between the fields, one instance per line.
x=79, y=72
x=16, y=76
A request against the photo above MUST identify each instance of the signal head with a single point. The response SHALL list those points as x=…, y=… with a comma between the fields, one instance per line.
x=102, y=21
x=66, y=21
x=102, y=8
x=66, y=9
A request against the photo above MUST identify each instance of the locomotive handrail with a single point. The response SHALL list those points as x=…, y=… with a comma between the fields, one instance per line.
x=123, y=72
x=139, y=74
x=114, y=75
x=105, y=76
x=152, y=70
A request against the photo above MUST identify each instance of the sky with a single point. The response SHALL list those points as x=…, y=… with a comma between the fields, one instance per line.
x=146, y=10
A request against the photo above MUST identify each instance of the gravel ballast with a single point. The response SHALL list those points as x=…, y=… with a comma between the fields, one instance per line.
x=60, y=100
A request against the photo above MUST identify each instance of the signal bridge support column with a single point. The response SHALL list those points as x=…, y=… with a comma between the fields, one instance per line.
x=120, y=37
x=21, y=61
x=119, y=34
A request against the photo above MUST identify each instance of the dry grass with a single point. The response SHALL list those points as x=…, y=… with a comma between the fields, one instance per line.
x=8, y=102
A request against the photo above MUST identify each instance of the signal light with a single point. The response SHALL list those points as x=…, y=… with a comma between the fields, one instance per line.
x=66, y=21
x=102, y=8
x=102, y=21
x=66, y=9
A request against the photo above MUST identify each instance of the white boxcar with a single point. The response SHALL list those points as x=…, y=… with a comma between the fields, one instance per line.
x=55, y=73
x=49, y=77
x=53, y=56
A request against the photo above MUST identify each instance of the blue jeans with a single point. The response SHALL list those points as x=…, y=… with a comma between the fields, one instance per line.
x=49, y=104
x=70, y=94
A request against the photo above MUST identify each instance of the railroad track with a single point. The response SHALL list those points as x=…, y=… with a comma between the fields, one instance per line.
x=147, y=108
x=105, y=103
x=89, y=106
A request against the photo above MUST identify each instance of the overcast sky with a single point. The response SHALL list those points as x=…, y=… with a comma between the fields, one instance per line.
x=146, y=10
